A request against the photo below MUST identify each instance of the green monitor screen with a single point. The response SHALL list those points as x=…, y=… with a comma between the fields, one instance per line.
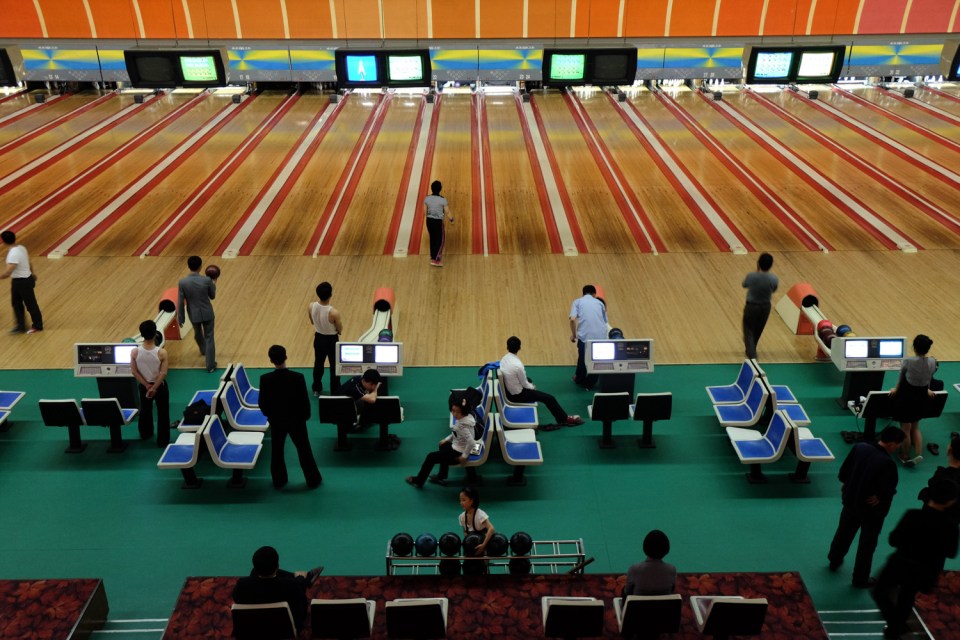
x=404, y=68
x=568, y=66
x=198, y=68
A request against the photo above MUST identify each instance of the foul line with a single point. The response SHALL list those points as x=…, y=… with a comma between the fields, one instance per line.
x=843, y=199
x=57, y=196
x=491, y=239
x=913, y=126
x=630, y=208
x=248, y=229
x=179, y=219
x=44, y=161
x=342, y=191
x=773, y=202
x=405, y=204
x=701, y=205
x=29, y=109
x=889, y=182
x=97, y=223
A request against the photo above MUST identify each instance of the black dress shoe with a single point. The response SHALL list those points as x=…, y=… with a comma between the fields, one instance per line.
x=835, y=565
x=869, y=583
x=438, y=480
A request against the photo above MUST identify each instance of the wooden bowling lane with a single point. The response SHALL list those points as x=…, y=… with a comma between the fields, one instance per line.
x=364, y=228
x=64, y=215
x=124, y=236
x=295, y=221
x=39, y=115
x=595, y=208
x=803, y=199
x=77, y=161
x=898, y=213
x=10, y=104
x=917, y=141
x=911, y=109
x=944, y=98
x=206, y=231
x=914, y=178
x=743, y=209
x=520, y=220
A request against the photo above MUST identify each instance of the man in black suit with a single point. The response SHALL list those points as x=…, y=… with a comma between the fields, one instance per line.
x=285, y=403
x=269, y=583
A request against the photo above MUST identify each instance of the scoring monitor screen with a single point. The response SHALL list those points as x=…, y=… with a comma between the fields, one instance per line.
x=122, y=354
x=199, y=69
x=386, y=354
x=568, y=66
x=405, y=68
x=891, y=348
x=362, y=68
x=154, y=70
x=351, y=353
x=816, y=64
x=602, y=351
x=773, y=65
x=855, y=349
x=7, y=76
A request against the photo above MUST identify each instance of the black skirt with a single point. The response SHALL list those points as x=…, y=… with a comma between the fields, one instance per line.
x=910, y=402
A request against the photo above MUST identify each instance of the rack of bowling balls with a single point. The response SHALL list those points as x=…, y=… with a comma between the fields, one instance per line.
x=449, y=555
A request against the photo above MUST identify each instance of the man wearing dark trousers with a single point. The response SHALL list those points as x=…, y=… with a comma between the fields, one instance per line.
x=286, y=404
x=518, y=388
x=269, y=583
x=327, y=328
x=22, y=283
x=760, y=285
x=198, y=291
x=923, y=540
x=869, y=477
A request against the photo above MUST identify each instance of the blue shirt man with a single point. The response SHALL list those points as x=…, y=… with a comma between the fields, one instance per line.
x=588, y=321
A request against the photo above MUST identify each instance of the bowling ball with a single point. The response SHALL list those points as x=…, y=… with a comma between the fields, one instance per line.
x=385, y=336
x=213, y=272
x=449, y=568
x=450, y=544
x=824, y=332
x=850, y=334
x=127, y=340
x=822, y=324
x=828, y=339
x=470, y=544
x=426, y=545
x=615, y=334
x=402, y=544
x=843, y=330
x=474, y=567
x=498, y=545
x=520, y=565
x=521, y=543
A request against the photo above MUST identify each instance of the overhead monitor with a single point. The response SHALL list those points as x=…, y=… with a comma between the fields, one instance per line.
x=160, y=69
x=408, y=68
x=362, y=69
x=820, y=64
x=198, y=68
x=8, y=75
x=564, y=67
x=769, y=65
x=151, y=70
x=855, y=349
x=386, y=353
x=612, y=66
x=950, y=60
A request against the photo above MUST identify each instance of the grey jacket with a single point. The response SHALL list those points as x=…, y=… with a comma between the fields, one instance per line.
x=198, y=291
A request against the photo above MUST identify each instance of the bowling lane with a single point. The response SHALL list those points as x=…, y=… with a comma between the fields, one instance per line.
x=41, y=115
x=296, y=219
x=888, y=100
x=72, y=210
x=520, y=224
x=367, y=222
x=127, y=234
x=745, y=212
x=21, y=155
x=215, y=220
x=805, y=201
x=78, y=161
x=916, y=141
x=903, y=216
x=935, y=99
x=598, y=214
x=15, y=104
x=907, y=173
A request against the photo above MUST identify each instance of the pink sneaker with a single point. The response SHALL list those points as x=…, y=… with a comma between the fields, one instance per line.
x=574, y=421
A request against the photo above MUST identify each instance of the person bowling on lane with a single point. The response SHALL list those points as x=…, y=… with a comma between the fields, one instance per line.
x=198, y=291
x=760, y=285
x=588, y=321
x=436, y=208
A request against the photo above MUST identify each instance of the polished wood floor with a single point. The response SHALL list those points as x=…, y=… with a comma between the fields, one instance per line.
x=686, y=296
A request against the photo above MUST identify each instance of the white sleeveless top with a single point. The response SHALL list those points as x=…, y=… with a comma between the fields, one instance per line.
x=148, y=363
x=320, y=313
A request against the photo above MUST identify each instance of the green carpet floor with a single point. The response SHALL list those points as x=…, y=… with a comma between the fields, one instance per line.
x=120, y=518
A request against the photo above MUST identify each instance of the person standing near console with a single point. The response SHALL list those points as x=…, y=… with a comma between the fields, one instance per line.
x=436, y=208
x=198, y=291
x=286, y=404
x=149, y=364
x=911, y=395
x=327, y=329
x=588, y=321
x=869, y=476
x=22, y=283
x=760, y=285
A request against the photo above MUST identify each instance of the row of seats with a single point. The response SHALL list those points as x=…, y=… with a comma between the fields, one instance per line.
x=236, y=451
x=564, y=617
x=751, y=401
x=99, y=412
x=8, y=400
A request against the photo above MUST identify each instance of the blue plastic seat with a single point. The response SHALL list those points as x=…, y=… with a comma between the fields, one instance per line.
x=9, y=399
x=746, y=413
x=183, y=455
x=755, y=448
x=736, y=392
x=241, y=417
x=514, y=416
x=107, y=412
x=238, y=451
x=249, y=395
x=520, y=449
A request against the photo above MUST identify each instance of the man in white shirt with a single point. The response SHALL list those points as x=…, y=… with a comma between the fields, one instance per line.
x=518, y=387
x=22, y=283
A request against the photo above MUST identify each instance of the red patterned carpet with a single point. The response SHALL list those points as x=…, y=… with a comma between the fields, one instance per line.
x=51, y=609
x=940, y=609
x=504, y=606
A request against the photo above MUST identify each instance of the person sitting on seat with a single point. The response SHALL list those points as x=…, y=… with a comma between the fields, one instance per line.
x=518, y=388
x=363, y=389
x=267, y=583
x=454, y=449
x=653, y=576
